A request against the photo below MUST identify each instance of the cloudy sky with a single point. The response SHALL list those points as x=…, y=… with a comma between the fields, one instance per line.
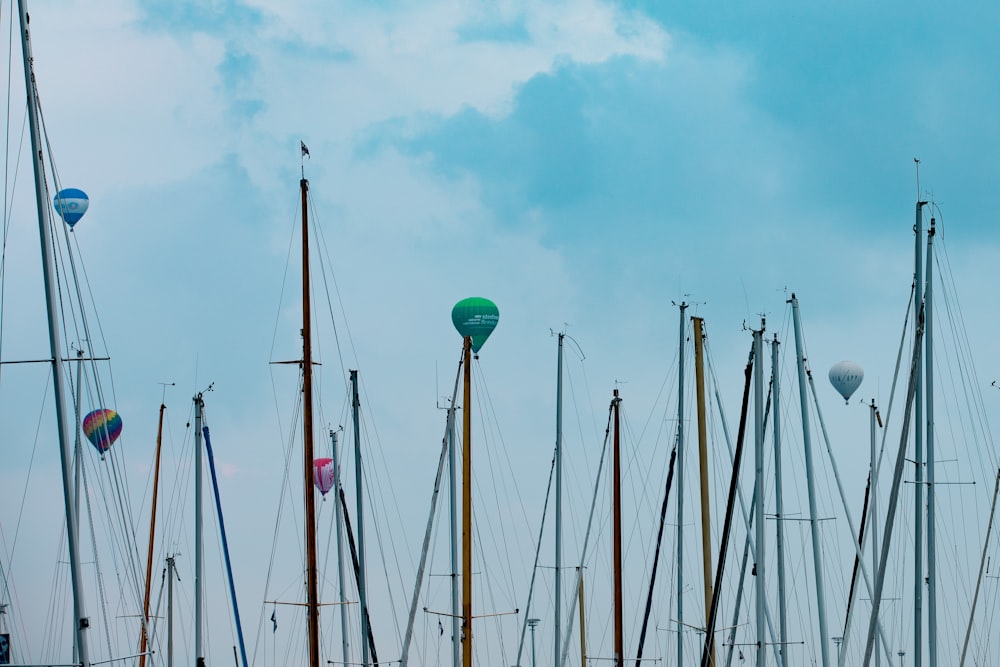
x=584, y=164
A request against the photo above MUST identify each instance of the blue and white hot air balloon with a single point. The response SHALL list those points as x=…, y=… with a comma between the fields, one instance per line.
x=71, y=204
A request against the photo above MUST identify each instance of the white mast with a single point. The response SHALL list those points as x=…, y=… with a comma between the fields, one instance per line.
x=80, y=620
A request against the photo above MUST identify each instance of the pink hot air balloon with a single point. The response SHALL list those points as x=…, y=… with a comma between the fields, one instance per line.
x=323, y=474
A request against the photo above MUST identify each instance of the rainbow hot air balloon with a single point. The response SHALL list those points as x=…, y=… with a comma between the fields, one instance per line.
x=846, y=377
x=475, y=317
x=102, y=427
x=323, y=474
x=71, y=204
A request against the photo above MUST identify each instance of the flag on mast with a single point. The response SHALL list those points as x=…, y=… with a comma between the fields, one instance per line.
x=305, y=149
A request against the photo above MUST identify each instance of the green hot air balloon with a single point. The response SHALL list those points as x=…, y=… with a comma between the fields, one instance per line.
x=475, y=317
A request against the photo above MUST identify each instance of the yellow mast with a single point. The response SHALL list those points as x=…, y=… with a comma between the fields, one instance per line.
x=467, y=505
x=706, y=528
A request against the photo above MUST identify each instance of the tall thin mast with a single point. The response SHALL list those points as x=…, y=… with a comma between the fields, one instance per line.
x=811, y=485
x=706, y=527
x=312, y=594
x=81, y=622
x=467, y=504
x=619, y=654
x=358, y=481
x=779, y=543
x=931, y=546
x=918, y=452
x=338, y=513
x=758, y=465
x=152, y=533
x=78, y=463
x=873, y=503
x=897, y=476
x=583, y=626
x=456, y=597
x=170, y=611
x=558, y=520
x=680, y=491
x=199, y=541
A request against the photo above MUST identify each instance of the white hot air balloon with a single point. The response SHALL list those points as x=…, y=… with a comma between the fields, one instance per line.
x=846, y=377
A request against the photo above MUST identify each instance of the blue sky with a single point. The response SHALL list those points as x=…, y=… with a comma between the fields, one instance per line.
x=584, y=164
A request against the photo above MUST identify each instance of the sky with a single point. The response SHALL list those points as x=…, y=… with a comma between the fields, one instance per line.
x=587, y=165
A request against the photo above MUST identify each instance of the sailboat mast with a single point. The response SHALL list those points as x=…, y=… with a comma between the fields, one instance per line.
x=81, y=622
x=918, y=452
x=616, y=471
x=931, y=545
x=779, y=542
x=680, y=490
x=760, y=593
x=706, y=517
x=78, y=459
x=199, y=548
x=873, y=504
x=456, y=598
x=583, y=625
x=810, y=484
x=152, y=532
x=170, y=611
x=467, y=504
x=558, y=519
x=312, y=595
x=339, y=519
x=362, y=577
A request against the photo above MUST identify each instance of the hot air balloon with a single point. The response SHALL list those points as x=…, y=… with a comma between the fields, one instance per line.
x=846, y=377
x=71, y=204
x=102, y=427
x=475, y=317
x=323, y=474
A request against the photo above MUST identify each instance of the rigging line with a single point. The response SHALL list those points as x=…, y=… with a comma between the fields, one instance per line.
x=324, y=261
x=8, y=186
x=957, y=322
x=578, y=480
x=534, y=569
x=586, y=537
x=177, y=505
x=635, y=534
x=487, y=397
x=895, y=376
x=385, y=471
x=97, y=565
x=743, y=504
x=7, y=221
x=122, y=547
x=449, y=423
x=285, y=488
x=24, y=493
x=486, y=401
x=10, y=594
x=382, y=554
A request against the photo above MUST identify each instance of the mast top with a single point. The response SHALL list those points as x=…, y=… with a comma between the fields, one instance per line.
x=304, y=153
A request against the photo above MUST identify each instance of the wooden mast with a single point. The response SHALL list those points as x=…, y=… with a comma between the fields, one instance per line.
x=619, y=655
x=152, y=531
x=467, y=505
x=706, y=527
x=312, y=620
